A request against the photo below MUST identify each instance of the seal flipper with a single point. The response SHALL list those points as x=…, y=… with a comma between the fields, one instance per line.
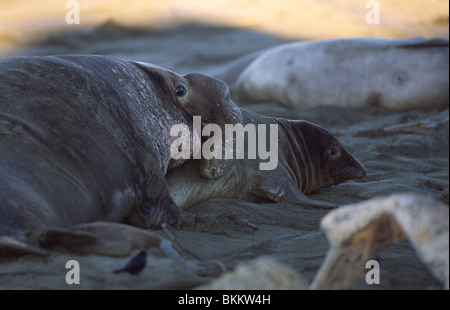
x=152, y=214
x=284, y=190
x=11, y=247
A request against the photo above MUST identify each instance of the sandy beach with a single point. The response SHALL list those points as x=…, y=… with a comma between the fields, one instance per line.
x=203, y=36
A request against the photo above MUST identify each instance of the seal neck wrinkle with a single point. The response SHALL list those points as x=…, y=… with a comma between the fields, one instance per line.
x=300, y=164
x=307, y=165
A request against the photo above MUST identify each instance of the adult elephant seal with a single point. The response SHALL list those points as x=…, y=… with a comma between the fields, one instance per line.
x=309, y=157
x=87, y=138
x=393, y=74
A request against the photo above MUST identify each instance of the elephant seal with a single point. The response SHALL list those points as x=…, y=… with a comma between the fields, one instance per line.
x=309, y=157
x=393, y=74
x=87, y=138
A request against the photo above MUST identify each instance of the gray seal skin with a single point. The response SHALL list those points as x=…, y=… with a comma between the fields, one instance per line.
x=87, y=138
x=393, y=74
x=309, y=157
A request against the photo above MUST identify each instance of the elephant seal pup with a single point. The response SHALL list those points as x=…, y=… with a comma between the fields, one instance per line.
x=309, y=157
x=393, y=74
x=87, y=138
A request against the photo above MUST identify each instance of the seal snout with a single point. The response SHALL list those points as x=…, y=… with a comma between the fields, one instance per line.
x=355, y=170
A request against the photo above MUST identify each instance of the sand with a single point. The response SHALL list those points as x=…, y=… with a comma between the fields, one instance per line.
x=203, y=37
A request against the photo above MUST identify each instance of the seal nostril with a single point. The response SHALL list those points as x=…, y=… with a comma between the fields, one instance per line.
x=349, y=173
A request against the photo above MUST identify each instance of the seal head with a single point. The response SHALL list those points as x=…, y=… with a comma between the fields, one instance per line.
x=323, y=159
x=211, y=100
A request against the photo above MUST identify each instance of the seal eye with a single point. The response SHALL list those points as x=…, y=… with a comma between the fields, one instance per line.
x=180, y=90
x=333, y=152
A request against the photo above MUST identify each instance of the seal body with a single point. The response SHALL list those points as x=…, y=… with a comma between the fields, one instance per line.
x=87, y=138
x=393, y=74
x=309, y=157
